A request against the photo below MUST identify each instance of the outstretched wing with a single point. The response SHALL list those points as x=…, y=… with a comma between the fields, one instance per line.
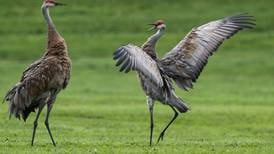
x=185, y=62
x=131, y=57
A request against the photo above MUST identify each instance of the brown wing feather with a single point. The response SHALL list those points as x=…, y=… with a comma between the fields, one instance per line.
x=31, y=68
x=185, y=62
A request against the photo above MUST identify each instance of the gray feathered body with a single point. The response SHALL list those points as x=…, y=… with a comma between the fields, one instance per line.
x=163, y=93
x=153, y=90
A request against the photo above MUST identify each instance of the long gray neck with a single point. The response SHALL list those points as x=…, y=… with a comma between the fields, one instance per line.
x=51, y=26
x=155, y=37
x=149, y=45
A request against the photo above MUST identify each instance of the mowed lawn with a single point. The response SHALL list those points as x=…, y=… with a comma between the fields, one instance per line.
x=104, y=111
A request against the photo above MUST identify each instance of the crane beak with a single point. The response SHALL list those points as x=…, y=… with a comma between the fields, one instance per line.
x=152, y=28
x=59, y=4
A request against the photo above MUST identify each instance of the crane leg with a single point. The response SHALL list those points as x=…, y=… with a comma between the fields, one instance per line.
x=150, y=104
x=162, y=134
x=35, y=123
x=49, y=107
x=47, y=124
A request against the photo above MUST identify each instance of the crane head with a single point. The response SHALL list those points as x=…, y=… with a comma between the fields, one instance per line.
x=159, y=24
x=52, y=3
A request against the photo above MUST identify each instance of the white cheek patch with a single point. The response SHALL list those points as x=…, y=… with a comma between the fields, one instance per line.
x=50, y=4
x=161, y=26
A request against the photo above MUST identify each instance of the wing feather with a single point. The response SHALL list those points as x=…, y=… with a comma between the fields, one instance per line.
x=185, y=62
x=131, y=57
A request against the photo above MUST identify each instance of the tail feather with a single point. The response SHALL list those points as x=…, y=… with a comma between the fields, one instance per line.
x=178, y=103
x=185, y=84
x=17, y=101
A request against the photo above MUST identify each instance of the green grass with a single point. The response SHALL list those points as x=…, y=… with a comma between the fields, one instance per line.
x=104, y=111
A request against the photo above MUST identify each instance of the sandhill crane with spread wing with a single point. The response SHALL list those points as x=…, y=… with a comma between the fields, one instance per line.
x=183, y=64
x=43, y=79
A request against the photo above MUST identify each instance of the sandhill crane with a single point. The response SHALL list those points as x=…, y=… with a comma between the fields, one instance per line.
x=43, y=79
x=183, y=64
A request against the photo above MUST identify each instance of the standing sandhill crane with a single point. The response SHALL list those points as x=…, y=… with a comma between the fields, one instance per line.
x=183, y=64
x=43, y=79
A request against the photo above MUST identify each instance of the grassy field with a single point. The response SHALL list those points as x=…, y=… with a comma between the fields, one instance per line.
x=104, y=111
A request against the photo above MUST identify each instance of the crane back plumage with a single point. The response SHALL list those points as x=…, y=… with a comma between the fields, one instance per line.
x=183, y=63
x=48, y=75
